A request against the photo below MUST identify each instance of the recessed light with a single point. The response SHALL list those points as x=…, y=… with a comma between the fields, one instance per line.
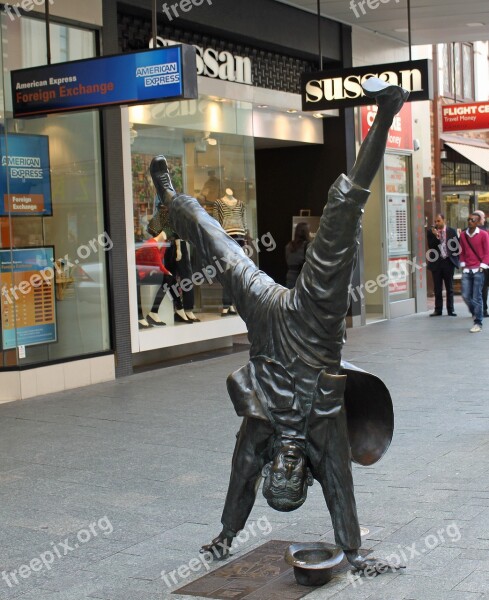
x=263, y=106
x=318, y=115
x=291, y=111
x=475, y=24
x=402, y=30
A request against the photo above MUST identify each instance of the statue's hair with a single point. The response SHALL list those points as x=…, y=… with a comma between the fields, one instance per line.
x=282, y=503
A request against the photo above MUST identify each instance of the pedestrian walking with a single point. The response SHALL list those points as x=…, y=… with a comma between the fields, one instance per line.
x=485, y=287
x=474, y=259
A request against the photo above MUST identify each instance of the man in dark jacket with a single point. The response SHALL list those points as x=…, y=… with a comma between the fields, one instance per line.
x=442, y=256
x=291, y=392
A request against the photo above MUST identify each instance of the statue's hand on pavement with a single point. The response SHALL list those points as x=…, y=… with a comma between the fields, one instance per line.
x=371, y=566
x=220, y=546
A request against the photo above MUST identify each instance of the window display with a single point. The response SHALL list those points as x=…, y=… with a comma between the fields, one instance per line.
x=51, y=225
x=215, y=167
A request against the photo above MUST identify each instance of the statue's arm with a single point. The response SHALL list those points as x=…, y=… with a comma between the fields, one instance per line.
x=331, y=256
x=247, y=464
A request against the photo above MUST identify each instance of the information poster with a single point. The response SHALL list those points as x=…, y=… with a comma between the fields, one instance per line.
x=398, y=275
x=397, y=199
x=28, y=305
x=397, y=217
x=25, y=181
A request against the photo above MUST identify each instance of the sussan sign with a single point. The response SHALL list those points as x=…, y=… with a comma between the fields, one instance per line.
x=217, y=64
x=342, y=88
x=460, y=117
x=135, y=78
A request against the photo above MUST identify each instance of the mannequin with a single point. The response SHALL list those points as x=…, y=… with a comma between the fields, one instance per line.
x=231, y=215
x=210, y=191
x=150, y=269
x=178, y=262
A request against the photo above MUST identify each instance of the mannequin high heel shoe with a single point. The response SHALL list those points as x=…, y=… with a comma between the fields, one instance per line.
x=154, y=320
x=180, y=319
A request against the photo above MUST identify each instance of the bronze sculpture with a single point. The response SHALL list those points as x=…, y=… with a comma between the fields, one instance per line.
x=291, y=394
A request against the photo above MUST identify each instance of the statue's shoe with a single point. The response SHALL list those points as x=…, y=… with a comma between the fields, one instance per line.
x=390, y=96
x=161, y=179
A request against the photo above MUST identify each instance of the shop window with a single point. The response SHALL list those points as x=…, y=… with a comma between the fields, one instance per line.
x=211, y=160
x=447, y=173
x=53, y=240
x=462, y=174
x=457, y=70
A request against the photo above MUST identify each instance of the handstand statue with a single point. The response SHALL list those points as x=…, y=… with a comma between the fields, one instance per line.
x=294, y=393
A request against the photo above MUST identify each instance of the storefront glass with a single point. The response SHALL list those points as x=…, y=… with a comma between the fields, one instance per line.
x=53, y=240
x=457, y=207
x=210, y=150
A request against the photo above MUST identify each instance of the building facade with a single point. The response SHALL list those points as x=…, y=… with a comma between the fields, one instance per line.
x=244, y=137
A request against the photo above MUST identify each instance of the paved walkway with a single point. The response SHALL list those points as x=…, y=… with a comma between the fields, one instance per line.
x=102, y=488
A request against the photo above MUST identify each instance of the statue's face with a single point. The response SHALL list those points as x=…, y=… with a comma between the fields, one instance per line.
x=287, y=479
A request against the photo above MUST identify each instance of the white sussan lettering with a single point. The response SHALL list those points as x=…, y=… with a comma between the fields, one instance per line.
x=350, y=87
x=218, y=65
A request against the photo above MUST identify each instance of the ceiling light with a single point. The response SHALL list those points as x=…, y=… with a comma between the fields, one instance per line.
x=318, y=115
x=475, y=24
x=263, y=106
x=402, y=30
x=291, y=111
x=210, y=140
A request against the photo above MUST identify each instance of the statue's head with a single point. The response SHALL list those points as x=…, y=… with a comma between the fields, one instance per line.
x=287, y=478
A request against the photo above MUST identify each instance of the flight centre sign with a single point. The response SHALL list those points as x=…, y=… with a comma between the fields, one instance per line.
x=342, y=88
x=157, y=75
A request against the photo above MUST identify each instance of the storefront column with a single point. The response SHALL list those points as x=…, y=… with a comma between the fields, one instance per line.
x=115, y=211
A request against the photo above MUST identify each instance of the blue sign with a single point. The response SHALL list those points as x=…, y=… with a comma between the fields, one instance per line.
x=25, y=177
x=148, y=76
x=27, y=297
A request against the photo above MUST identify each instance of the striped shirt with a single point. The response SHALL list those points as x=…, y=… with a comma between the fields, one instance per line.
x=231, y=218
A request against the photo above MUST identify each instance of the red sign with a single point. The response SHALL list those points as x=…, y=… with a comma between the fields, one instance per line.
x=458, y=117
x=23, y=203
x=401, y=132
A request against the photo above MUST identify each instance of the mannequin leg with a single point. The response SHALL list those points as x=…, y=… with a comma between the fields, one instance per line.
x=152, y=317
x=142, y=322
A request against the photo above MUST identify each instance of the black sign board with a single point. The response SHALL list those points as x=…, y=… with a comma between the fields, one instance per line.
x=342, y=88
